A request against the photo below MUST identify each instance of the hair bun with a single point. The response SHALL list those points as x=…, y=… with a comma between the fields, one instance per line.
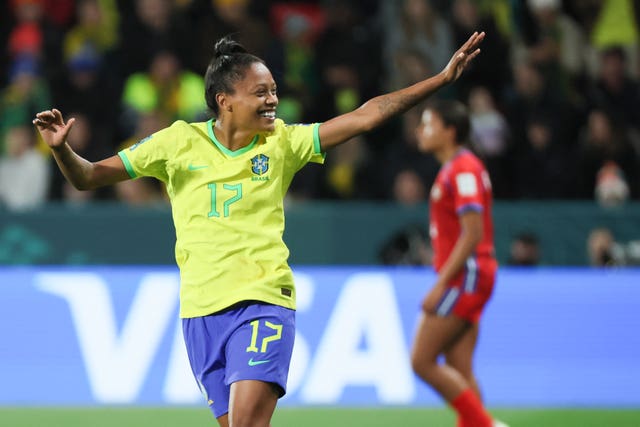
x=227, y=47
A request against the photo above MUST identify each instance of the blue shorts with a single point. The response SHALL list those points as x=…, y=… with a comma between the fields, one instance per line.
x=248, y=341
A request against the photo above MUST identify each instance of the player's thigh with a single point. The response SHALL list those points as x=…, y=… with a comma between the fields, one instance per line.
x=434, y=335
x=460, y=353
x=204, y=339
x=223, y=420
x=252, y=403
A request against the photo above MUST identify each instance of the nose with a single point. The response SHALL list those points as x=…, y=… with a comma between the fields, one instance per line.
x=272, y=99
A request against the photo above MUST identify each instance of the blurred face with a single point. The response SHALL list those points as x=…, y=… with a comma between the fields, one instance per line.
x=18, y=140
x=253, y=105
x=416, y=10
x=408, y=188
x=89, y=13
x=80, y=137
x=480, y=100
x=164, y=68
x=539, y=136
x=528, y=80
x=599, y=127
x=155, y=13
x=431, y=133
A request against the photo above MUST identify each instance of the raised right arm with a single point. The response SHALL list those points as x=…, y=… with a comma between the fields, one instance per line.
x=81, y=173
x=381, y=108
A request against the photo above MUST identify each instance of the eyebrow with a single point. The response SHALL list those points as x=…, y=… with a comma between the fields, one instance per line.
x=264, y=86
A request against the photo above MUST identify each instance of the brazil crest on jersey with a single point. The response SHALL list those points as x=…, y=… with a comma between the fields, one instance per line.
x=227, y=208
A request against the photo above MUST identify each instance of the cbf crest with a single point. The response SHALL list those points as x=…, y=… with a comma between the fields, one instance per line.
x=260, y=164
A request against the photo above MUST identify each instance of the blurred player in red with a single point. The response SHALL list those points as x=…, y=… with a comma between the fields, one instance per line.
x=461, y=232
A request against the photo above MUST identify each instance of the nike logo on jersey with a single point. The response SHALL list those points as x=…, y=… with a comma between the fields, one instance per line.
x=195, y=168
x=257, y=362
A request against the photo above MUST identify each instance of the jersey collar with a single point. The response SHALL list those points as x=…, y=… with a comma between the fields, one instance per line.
x=224, y=149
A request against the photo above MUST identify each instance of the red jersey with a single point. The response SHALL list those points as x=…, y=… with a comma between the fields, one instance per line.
x=462, y=185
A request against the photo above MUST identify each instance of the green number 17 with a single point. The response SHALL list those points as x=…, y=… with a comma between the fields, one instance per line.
x=236, y=188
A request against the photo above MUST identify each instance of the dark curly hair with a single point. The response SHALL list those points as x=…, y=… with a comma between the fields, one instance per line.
x=228, y=66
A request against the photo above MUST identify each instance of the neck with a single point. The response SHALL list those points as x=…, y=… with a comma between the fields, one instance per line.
x=447, y=152
x=232, y=137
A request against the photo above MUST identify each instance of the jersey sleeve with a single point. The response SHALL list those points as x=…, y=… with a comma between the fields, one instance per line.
x=468, y=190
x=304, y=143
x=149, y=156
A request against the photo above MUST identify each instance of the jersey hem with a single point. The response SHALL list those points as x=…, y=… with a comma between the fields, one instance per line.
x=188, y=314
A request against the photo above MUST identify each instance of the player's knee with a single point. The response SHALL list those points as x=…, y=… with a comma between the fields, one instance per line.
x=422, y=366
x=462, y=366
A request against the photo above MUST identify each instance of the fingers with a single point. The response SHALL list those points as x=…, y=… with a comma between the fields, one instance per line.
x=58, y=116
x=47, y=118
x=474, y=41
x=43, y=119
x=473, y=55
x=45, y=115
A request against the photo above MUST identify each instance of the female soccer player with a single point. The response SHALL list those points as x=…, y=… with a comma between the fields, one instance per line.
x=461, y=232
x=226, y=179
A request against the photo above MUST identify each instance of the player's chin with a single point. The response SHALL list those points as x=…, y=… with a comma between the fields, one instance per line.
x=267, y=124
x=423, y=148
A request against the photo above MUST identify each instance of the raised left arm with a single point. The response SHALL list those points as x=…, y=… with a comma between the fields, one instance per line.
x=377, y=110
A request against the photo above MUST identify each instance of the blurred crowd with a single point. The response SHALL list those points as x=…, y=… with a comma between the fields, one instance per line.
x=554, y=97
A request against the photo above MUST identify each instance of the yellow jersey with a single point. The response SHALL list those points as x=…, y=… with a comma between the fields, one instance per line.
x=227, y=208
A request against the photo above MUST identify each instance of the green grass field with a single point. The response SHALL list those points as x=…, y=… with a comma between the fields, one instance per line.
x=310, y=417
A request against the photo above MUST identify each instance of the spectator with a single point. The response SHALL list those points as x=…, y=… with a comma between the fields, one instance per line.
x=554, y=43
x=408, y=246
x=348, y=73
x=166, y=88
x=524, y=250
x=603, y=143
x=408, y=188
x=528, y=96
x=416, y=24
x=86, y=87
x=603, y=250
x=492, y=69
x=150, y=28
x=342, y=170
x=26, y=94
x=490, y=137
x=213, y=19
x=542, y=166
x=614, y=91
x=24, y=171
x=616, y=24
x=33, y=35
x=95, y=29
x=611, y=187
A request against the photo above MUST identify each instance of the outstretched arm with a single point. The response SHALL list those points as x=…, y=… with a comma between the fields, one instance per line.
x=381, y=108
x=81, y=173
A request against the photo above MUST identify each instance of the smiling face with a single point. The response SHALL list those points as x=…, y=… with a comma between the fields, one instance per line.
x=253, y=104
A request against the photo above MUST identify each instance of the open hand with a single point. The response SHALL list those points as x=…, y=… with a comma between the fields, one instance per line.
x=52, y=127
x=463, y=57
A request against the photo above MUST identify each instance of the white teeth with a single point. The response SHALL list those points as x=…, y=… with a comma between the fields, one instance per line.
x=269, y=114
